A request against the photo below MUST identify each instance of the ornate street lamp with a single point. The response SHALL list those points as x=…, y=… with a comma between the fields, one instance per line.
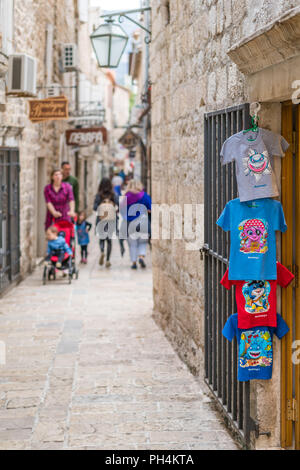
x=109, y=40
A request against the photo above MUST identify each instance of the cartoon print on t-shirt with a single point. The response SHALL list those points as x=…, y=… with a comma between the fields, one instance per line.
x=255, y=349
x=253, y=236
x=256, y=295
x=257, y=164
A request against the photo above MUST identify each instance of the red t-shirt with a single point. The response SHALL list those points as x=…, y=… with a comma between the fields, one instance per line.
x=257, y=300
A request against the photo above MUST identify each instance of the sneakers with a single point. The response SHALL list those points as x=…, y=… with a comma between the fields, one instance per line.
x=141, y=262
x=108, y=264
x=83, y=261
x=101, y=260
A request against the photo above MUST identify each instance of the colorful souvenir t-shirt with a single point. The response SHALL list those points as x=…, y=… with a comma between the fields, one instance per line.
x=253, y=153
x=257, y=300
x=252, y=228
x=255, y=356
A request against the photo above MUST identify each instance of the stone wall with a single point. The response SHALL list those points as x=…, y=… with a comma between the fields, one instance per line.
x=37, y=140
x=192, y=74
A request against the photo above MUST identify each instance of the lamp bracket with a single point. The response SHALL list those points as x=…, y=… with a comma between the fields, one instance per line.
x=125, y=13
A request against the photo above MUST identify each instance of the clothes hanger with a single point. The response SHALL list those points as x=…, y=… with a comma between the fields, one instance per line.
x=254, y=120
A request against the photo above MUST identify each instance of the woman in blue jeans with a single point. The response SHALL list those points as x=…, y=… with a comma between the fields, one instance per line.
x=136, y=214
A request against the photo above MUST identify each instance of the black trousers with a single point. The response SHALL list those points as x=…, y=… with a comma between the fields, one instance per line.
x=84, y=252
x=60, y=255
x=109, y=247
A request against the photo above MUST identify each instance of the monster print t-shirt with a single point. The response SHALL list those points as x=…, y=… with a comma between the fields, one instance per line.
x=255, y=359
x=256, y=300
x=253, y=153
x=252, y=226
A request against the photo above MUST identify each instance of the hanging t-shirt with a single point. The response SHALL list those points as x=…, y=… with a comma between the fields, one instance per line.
x=257, y=300
x=252, y=227
x=255, y=357
x=253, y=153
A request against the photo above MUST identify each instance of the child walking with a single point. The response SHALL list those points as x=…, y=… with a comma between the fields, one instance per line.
x=82, y=228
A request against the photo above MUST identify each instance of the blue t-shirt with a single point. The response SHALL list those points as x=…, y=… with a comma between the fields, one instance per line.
x=252, y=226
x=255, y=347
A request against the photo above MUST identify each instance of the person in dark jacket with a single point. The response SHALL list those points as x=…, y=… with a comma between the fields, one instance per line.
x=68, y=178
x=104, y=196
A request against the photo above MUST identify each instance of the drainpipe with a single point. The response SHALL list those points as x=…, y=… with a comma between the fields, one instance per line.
x=146, y=120
x=49, y=54
x=77, y=82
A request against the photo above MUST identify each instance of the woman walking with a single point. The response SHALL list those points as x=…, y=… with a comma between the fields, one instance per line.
x=104, y=205
x=136, y=213
x=59, y=198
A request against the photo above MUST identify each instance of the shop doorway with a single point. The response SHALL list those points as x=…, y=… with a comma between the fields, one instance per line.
x=290, y=358
x=9, y=217
x=41, y=207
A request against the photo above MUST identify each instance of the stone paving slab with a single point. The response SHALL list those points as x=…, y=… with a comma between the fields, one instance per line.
x=87, y=368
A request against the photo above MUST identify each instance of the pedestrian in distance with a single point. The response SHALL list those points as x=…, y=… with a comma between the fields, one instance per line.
x=135, y=209
x=82, y=228
x=59, y=199
x=68, y=178
x=119, y=190
x=105, y=205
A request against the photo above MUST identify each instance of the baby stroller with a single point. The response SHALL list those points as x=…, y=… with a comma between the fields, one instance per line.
x=67, y=230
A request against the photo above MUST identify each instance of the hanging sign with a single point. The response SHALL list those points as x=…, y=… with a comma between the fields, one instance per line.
x=50, y=109
x=84, y=137
x=129, y=140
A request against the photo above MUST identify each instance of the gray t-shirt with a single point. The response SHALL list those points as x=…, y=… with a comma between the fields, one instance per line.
x=254, y=162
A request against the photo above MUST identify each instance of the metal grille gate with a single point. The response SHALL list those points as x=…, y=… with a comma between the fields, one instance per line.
x=220, y=355
x=9, y=217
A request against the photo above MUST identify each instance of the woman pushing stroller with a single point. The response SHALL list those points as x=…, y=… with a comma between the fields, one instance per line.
x=59, y=226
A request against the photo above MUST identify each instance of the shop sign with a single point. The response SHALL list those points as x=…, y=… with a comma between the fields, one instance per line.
x=84, y=137
x=129, y=140
x=50, y=109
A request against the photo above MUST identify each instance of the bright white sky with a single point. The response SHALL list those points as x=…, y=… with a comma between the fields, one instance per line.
x=111, y=5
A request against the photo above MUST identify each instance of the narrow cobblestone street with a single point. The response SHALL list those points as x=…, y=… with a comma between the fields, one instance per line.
x=87, y=368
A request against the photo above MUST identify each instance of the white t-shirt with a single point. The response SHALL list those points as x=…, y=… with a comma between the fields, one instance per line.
x=253, y=154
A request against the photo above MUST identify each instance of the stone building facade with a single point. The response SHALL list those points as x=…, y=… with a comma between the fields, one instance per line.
x=209, y=55
x=33, y=23
x=40, y=29
x=141, y=111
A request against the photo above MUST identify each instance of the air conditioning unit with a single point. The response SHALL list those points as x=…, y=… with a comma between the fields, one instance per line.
x=53, y=90
x=21, y=75
x=69, y=57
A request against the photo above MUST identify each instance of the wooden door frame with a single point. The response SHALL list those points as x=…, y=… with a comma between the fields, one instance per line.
x=290, y=299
